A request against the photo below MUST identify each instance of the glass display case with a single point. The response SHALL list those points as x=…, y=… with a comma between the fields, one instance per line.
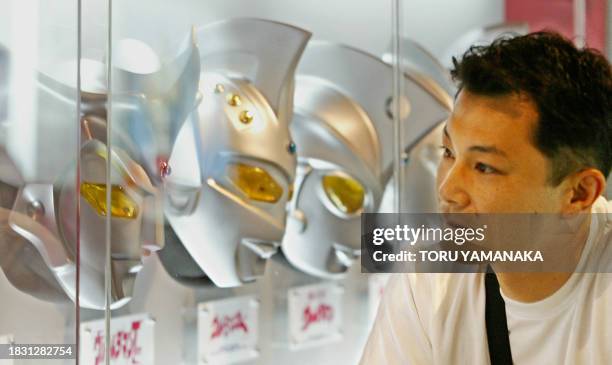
x=262, y=168
x=184, y=181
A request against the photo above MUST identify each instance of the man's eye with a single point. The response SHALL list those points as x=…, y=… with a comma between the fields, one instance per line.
x=485, y=169
x=446, y=152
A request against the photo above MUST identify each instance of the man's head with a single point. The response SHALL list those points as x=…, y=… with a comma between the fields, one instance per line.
x=531, y=130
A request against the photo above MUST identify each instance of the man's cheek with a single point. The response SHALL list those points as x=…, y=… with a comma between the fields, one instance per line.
x=497, y=198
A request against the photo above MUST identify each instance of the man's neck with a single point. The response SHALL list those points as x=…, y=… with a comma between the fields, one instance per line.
x=531, y=287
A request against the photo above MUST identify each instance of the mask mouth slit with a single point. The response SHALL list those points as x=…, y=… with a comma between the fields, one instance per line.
x=251, y=257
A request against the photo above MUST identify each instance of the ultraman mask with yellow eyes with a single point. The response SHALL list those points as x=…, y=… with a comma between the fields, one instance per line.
x=234, y=163
x=39, y=226
x=344, y=132
x=39, y=214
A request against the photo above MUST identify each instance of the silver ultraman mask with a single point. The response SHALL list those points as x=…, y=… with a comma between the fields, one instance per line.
x=338, y=178
x=343, y=133
x=134, y=218
x=42, y=214
x=234, y=162
x=42, y=218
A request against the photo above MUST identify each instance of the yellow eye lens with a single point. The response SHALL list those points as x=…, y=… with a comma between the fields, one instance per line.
x=345, y=193
x=122, y=206
x=255, y=183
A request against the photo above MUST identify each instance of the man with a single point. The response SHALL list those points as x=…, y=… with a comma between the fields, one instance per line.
x=531, y=132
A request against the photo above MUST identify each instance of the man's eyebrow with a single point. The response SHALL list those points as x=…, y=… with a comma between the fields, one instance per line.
x=488, y=149
x=482, y=149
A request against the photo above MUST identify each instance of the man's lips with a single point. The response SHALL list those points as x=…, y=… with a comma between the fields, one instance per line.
x=462, y=220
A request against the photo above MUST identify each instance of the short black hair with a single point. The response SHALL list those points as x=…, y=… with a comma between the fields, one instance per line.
x=571, y=88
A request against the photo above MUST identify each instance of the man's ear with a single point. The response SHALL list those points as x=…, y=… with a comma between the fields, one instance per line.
x=585, y=187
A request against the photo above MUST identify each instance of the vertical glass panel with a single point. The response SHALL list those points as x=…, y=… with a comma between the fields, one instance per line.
x=94, y=186
x=39, y=134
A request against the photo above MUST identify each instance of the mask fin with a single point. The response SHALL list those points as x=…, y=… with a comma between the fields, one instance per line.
x=264, y=52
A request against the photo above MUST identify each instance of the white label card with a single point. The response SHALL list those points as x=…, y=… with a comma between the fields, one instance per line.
x=132, y=341
x=5, y=340
x=228, y=330
x=315, y=314
x=376, y=288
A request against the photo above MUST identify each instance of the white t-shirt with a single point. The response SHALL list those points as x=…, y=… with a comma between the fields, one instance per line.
x=439, y=318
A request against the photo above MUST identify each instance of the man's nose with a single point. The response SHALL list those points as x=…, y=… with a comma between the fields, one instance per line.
x=452, y=193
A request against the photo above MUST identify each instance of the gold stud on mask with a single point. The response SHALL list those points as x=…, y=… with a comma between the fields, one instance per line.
x=234, y=100
x=246, y=117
